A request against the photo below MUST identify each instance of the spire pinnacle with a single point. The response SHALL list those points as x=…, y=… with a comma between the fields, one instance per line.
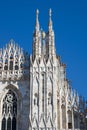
x=37, y=12
x=50, y=20
x=50, y=13
x=37, y=21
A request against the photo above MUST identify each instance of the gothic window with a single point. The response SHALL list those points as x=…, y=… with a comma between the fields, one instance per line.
x=16, y=67
x=6, y=67
x=9, y=111
x=11, y=65
x=69, y=120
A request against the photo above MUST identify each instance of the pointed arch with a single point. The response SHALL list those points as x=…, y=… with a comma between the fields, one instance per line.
x=9, y=111
x=10, y=107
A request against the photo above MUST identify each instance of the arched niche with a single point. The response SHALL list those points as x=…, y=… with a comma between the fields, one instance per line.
x=69, y=119
x=63, y=116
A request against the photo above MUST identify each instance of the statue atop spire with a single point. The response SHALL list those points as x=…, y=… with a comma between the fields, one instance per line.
x=37, y=21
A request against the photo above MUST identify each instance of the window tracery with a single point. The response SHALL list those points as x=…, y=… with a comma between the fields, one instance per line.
x=9, y=111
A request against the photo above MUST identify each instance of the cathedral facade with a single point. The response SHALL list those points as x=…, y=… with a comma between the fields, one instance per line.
x=34, y=91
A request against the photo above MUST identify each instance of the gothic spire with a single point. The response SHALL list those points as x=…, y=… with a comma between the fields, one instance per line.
x=37, y=21
x=50, y=49
x=37, y=38
x=50, y=20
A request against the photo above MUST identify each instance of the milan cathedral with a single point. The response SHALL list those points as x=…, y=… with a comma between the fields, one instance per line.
x=34, y=91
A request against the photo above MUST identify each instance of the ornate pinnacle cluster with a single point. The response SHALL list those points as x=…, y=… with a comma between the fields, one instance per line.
x=13, y=62
x=37, y=20
x=41, y=37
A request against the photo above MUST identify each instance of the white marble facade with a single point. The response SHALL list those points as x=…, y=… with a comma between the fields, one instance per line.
x=34, y=91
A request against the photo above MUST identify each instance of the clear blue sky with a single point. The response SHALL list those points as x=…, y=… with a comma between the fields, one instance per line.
x=17, y=20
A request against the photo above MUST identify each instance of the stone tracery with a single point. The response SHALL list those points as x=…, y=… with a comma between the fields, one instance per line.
x=14, y=62
x=9, y=111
